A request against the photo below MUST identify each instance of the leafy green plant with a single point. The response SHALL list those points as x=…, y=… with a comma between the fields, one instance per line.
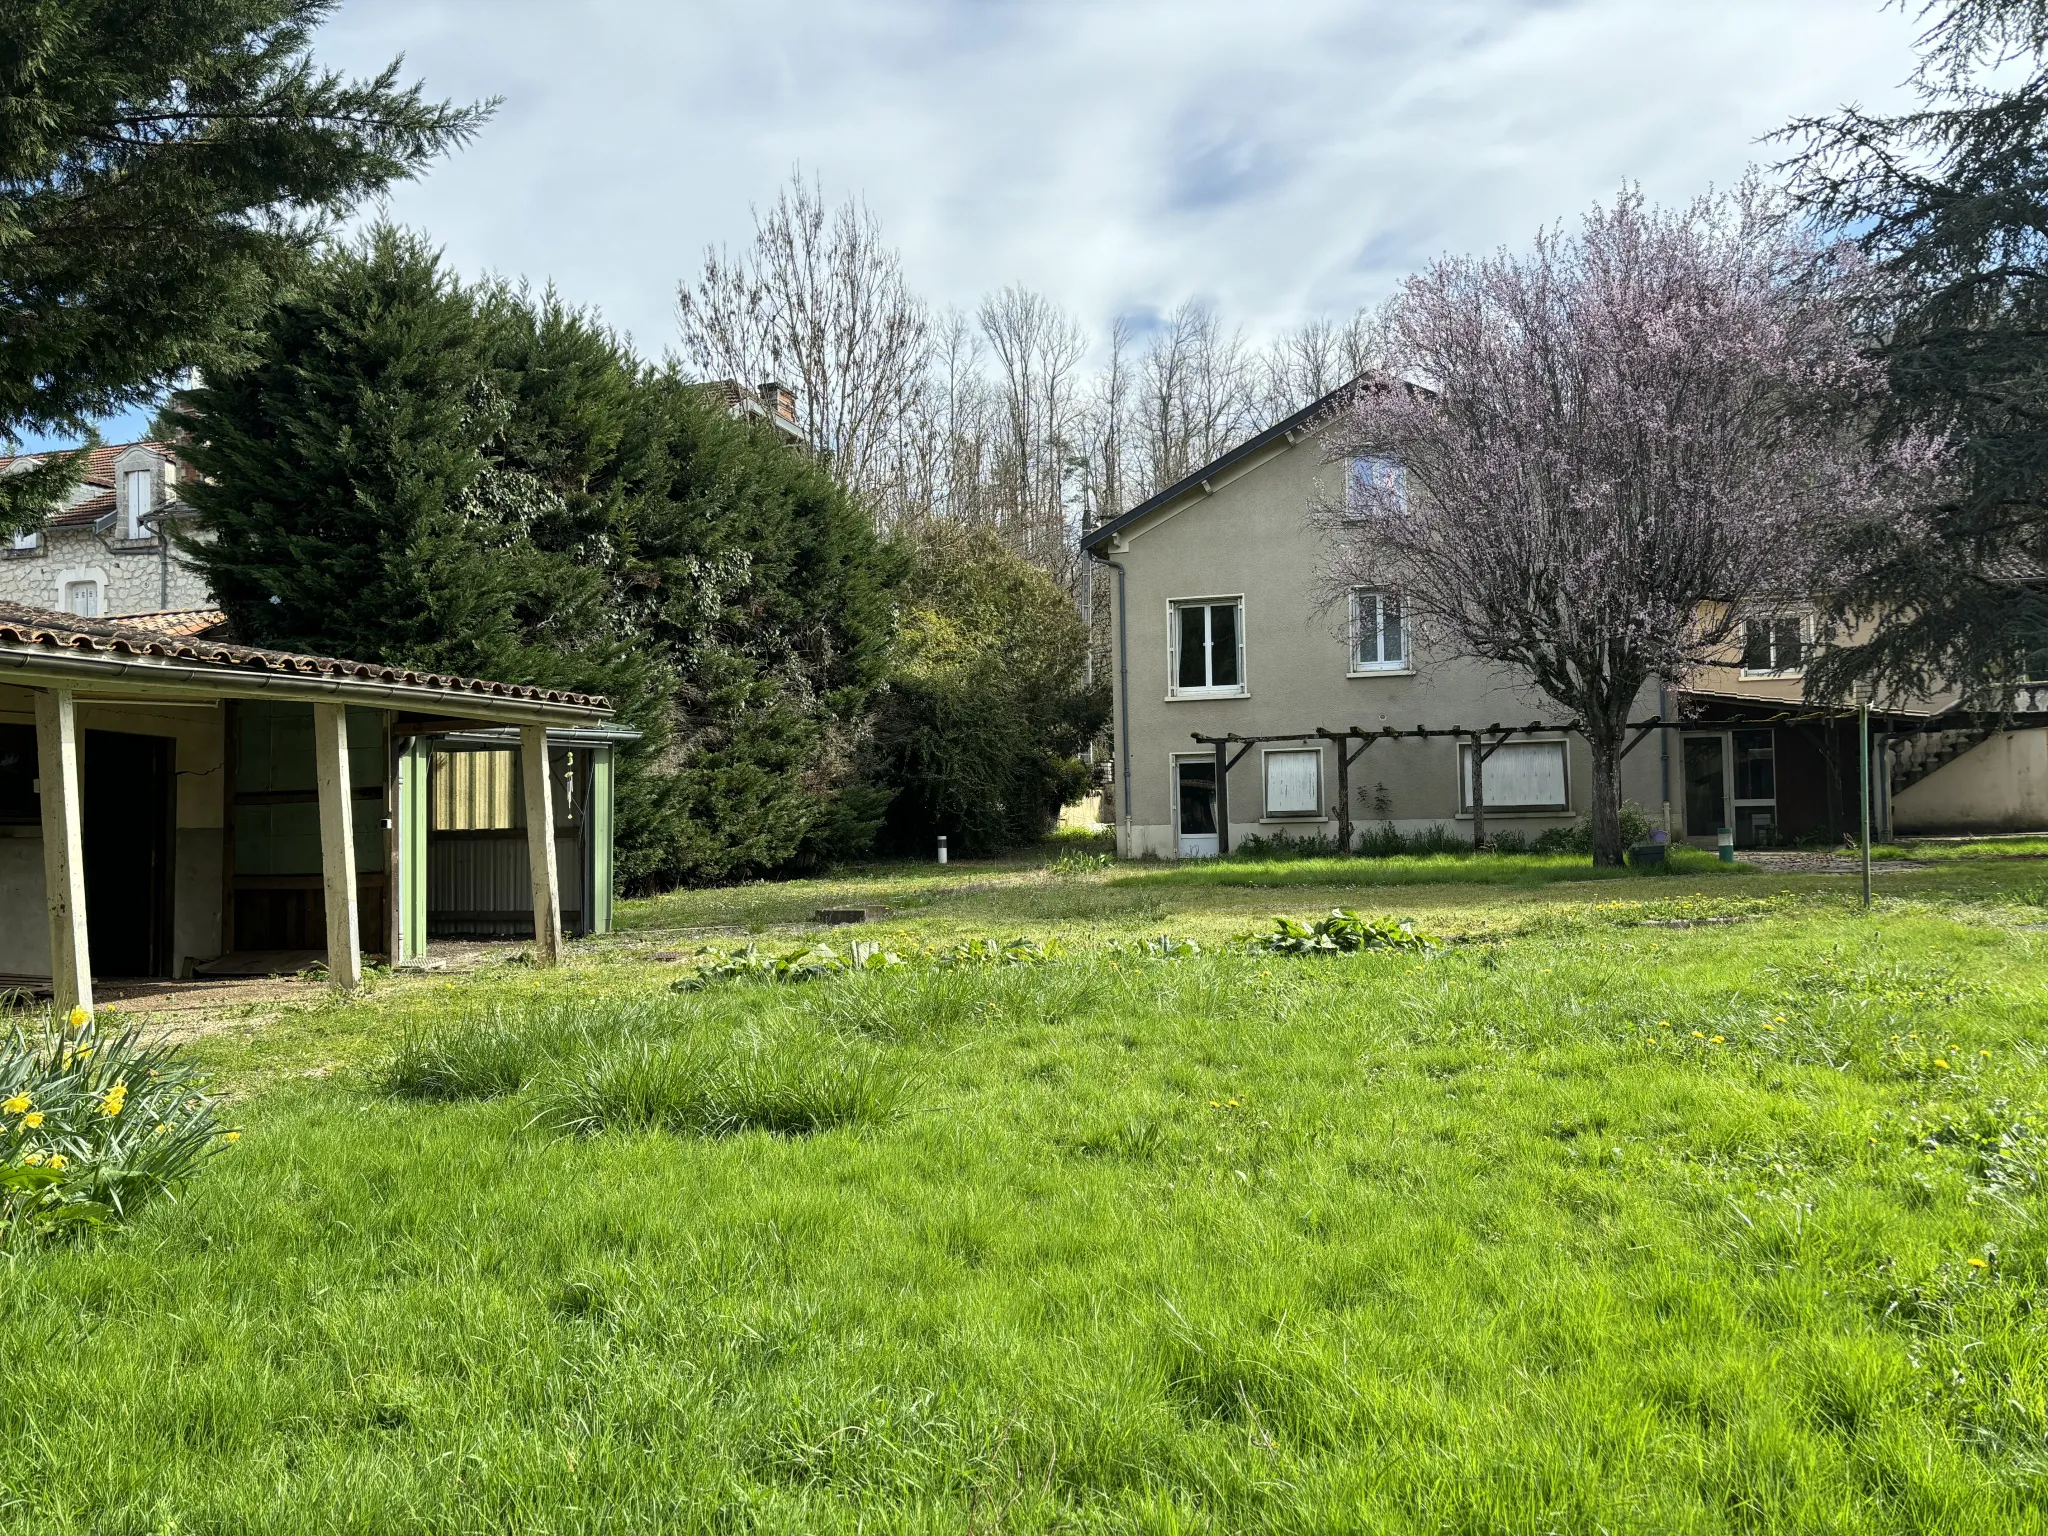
x=1342, y=932
x=805, y=963
x=93, y=1127
x=1018, y=951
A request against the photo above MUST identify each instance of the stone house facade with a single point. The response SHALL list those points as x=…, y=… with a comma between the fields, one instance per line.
x=106, y=553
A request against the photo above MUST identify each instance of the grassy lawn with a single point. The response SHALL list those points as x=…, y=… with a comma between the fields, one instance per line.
x=1585, y=1222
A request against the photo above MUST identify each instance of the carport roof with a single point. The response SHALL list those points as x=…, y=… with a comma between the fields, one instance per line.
x=43, y=649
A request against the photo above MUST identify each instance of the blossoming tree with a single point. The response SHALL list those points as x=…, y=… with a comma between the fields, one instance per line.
x=1613, y=450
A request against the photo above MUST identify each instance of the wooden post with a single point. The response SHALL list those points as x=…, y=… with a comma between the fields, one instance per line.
x=63, y=852
x=337, y=845
x=540, y=845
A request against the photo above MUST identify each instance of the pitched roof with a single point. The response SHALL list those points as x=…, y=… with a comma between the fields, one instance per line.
x=38, y=629
x=98, y=471
x=1309, y=415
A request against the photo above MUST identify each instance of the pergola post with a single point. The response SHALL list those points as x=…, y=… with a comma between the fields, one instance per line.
x=63, y=850
x=540, y=845
x=337, y=845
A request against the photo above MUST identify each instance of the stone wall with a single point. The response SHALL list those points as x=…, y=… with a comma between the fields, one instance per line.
x=134, y=575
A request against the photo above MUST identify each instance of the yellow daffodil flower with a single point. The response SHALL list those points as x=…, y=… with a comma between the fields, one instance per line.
x=78, y=1018
x=33, y=1119
x=33, y=1160
x=234, y=1136
x=18, y=1105
x=56, y=1159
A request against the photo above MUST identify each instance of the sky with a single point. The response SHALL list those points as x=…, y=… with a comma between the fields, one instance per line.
x=1273, y=160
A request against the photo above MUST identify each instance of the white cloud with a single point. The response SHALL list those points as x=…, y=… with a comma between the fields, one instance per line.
x=1276, y=159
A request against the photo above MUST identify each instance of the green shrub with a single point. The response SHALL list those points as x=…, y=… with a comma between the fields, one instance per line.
x=988, y=709
x=792, y=1085
x=1578, y=838
x=93, y=1127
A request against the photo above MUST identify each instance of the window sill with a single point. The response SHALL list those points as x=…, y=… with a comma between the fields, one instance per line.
x=1791, y=675
x=1381, y=672
x=1205, y=695
x=21, y=554
x=1517, y=812
x=1292, y=821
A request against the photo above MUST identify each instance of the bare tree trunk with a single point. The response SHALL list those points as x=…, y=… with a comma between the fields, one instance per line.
x=1607, y=849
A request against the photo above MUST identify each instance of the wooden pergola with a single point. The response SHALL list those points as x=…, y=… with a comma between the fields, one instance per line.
x=65, y=660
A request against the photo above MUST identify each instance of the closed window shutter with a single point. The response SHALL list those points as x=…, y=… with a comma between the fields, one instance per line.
x=1294, y=783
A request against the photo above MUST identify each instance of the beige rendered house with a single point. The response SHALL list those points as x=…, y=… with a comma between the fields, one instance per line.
x=1222, y=627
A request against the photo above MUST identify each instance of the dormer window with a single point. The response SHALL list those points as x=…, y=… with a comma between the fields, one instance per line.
x=138, y=499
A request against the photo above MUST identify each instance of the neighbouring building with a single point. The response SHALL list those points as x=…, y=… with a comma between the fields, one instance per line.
x=106, y=552
x=1221, y=628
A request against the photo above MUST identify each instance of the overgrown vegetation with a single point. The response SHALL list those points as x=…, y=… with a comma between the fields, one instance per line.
x=979, y=736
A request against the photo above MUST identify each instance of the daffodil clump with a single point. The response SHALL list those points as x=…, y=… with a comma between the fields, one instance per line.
x=92, y=1126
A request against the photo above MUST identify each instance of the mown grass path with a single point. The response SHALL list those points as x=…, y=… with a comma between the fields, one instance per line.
x=1578, y=1225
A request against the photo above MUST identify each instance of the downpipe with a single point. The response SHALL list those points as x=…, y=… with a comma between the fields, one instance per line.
x=1123, y=690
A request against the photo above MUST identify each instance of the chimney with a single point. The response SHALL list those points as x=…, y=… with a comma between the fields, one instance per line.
x=779, y=400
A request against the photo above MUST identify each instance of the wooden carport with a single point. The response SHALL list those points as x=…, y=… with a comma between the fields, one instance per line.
x=64, y=661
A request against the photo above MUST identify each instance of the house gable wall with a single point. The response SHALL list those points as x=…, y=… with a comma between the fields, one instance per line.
x=1251, y=535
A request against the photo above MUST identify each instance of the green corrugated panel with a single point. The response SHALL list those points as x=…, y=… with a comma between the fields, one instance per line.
x=601, y=840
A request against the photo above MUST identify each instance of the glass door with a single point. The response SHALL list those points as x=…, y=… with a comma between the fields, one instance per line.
x=1756, y=788
x=1194, y=797
x=1706, y=785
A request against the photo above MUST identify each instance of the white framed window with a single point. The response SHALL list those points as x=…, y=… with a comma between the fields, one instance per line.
x=138, y=496
x=28, y=540
x=1294, y=783
x=1776, y=645
x=1520, y=776
x=82, y=598
x=1379, y=631
x=1208, y=647
x=1376, y=485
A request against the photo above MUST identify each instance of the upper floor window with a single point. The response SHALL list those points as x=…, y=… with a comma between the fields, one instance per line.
x=1208, y=646
x=82, y=598
x=137, y=497
x=1377, y=485
x=1379, y=637
x=1775, y=645
x=28, y=539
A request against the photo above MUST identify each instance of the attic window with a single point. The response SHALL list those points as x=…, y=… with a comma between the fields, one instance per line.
x=136, y=498
x=1376, y=485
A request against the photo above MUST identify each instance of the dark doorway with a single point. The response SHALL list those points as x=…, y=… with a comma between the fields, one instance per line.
x=125, y=825
x=1706, y=786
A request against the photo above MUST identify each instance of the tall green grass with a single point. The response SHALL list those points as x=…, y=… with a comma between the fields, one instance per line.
x=1728, y=1229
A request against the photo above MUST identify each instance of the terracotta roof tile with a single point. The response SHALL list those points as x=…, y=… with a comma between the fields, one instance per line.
x=24, y=626
x=176, y=621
